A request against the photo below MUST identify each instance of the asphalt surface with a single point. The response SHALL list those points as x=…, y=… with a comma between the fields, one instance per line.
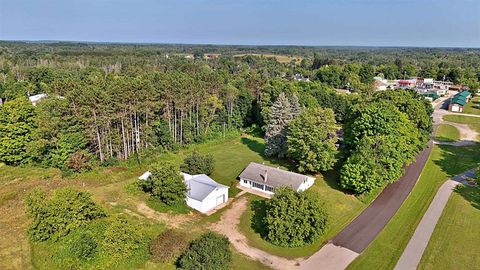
x=365, y=227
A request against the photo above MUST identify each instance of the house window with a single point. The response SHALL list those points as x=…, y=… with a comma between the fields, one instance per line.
x=257, y=185
x=245, y=181
x=269, y=188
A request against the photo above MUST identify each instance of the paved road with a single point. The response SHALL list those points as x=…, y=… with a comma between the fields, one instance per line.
x=365, y=227
x=412, y=254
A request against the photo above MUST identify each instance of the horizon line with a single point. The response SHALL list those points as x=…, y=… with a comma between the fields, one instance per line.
x=51, y=41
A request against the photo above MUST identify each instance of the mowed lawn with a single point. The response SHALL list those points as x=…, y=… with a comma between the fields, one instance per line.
x=455, y=241
x=472, y=107
x=447, y=133
x=472, y=122
x=444, y=162
x=341, y=208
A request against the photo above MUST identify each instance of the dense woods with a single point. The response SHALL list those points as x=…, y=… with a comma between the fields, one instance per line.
x=111, y=102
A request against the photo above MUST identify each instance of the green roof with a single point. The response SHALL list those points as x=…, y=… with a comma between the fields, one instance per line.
x=434, y=96
x=461, y=100
x=463, y=94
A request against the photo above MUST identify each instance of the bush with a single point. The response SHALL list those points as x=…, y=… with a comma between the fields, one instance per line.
x=109, y=162
x=83, y=246
x=197, y=163
x=79, y=162
x=294, y=219
x=166, y=184
x=167, y=246
x=55, y=217
x=122, y=238
x=210, y=251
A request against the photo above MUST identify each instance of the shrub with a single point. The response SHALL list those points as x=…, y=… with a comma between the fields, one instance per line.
x=210, y=251
x=110, y=162
x=122, y=238
x=83, y=246
x=167, y=246
x=55, y=217
x=197, y=163
x=78, y=162
x=166, y=184
x=294, y=219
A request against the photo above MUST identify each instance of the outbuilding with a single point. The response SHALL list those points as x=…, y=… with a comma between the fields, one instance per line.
x=204, y=194
x=458, y=102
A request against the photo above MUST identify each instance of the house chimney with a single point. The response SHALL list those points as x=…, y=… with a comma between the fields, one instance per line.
x=265, y=176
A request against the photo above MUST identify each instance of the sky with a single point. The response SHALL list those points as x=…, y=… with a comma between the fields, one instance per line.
x=422, y=23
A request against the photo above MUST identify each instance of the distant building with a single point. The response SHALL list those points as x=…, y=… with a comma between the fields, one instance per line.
x=431, y=96
x=405, y=84
x=36, y=98
x=458, y=102
x=265, y=179
x=300, y=77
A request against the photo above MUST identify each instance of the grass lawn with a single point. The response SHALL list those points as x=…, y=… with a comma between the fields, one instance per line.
x=472, y=106
x=455, y=241
x=341, y=207
x=111, y=188
x=472, y=122
x=447, y=133
x=444, y=162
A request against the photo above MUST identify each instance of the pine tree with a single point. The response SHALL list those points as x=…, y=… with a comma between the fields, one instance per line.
x=276, y=135
x=295, y=105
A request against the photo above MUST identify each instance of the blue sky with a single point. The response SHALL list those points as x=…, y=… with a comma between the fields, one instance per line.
x=437, y=23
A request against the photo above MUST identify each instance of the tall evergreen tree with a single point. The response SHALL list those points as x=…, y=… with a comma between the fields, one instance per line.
x=276, y=135
x=295, y=105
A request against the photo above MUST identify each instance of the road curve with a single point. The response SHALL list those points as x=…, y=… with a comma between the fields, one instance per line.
x=365, y=227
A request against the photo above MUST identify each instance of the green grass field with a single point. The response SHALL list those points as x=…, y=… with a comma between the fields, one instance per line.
x=472, y=122
x=472, y=107
x=455, y=241
x=341, y=207
x=111, y=188
x=447, y=133
x=444, y=162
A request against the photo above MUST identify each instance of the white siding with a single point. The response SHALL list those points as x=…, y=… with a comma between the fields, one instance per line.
x=456, y=108
x=210, y=202
x=307, y=184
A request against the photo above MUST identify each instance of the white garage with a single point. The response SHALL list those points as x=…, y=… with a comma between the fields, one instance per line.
x=204, y=194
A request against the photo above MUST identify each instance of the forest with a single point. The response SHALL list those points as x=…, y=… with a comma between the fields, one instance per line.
x=111, y=102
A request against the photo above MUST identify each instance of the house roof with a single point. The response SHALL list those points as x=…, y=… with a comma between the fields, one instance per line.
x=271, y=176
x=463, y=94
x=199, y=185
x=461, y=100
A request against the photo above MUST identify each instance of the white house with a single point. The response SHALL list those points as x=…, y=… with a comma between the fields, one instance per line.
x=204, y=194
x=265, y=178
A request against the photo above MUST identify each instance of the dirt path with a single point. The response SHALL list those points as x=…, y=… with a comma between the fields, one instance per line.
x=412, y=254
x=174, y=221
x=468, y=136
x=228, y=225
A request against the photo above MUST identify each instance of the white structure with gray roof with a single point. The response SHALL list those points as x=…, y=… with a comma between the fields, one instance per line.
x=265, y=178
x=204, y=194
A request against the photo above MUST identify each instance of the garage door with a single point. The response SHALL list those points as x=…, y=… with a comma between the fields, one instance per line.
x=455, y=108
x=220, y=199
